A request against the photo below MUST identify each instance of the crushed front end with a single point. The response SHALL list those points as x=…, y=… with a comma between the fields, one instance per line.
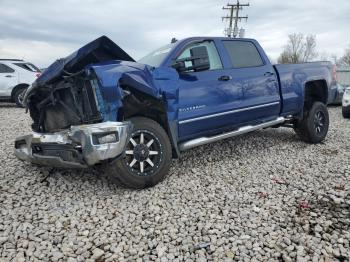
x=72, y=126
x=71, y=129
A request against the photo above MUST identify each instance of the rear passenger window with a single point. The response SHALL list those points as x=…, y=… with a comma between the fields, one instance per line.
x=243, y=54
x=5, y=69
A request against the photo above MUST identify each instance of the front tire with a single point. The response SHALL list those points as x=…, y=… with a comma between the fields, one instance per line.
x=147, y=156
x=313, y=128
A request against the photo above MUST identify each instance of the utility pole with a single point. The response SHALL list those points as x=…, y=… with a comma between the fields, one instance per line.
x=234, y=17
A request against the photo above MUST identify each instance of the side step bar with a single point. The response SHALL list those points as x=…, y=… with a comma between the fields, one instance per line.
x=242, y=130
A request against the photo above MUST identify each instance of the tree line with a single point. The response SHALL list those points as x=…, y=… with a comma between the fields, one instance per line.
x=301, y=48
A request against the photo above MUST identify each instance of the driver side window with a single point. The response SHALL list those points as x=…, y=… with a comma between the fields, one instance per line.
x=214, y=58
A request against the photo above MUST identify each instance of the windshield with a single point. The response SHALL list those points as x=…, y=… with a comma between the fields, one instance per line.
x=156, y=57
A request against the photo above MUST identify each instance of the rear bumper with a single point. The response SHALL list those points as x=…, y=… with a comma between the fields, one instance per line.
x=77, y=147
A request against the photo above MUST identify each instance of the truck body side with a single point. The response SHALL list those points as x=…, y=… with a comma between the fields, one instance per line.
x=200, y=104
x=87, y=99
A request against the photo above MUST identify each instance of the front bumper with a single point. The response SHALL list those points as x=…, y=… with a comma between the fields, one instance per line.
x=78, y=147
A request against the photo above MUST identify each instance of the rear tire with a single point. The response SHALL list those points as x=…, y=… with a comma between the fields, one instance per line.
x=313, y=128
x=147, y=156
x=19, y=95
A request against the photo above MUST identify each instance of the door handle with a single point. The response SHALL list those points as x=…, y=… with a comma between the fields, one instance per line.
x=269, y=74
x=9, y=76
x=225, y=78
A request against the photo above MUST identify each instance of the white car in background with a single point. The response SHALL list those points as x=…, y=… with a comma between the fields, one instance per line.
x=15, y=77
x=346, y=103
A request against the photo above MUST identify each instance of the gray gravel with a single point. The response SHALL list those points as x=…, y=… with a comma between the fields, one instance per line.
x=262, y=196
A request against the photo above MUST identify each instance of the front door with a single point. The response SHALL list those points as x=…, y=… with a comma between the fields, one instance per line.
x=206, y=97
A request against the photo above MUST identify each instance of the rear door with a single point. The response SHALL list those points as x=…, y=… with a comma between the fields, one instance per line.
x=251, y=70
x=8, y=79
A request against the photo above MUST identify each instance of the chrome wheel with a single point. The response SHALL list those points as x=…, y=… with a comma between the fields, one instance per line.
x=143, y=153
x=319, y=122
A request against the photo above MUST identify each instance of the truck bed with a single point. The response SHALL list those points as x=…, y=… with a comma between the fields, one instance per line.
x=292, y=79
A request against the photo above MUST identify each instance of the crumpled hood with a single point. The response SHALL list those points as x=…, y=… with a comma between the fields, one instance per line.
x=99, y=50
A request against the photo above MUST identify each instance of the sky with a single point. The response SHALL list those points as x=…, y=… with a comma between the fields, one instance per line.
x=40, y=31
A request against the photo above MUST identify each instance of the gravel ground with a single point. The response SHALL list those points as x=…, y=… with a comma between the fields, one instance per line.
x=265, y=196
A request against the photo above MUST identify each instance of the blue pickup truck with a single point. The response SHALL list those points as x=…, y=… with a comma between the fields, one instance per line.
x=100, y=107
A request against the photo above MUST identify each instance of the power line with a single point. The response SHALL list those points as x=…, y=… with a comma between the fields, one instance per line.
x=234, y=18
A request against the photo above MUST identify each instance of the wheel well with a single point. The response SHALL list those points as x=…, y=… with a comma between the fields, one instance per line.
x=316, y=91
x=139, y=104
x=17, y=87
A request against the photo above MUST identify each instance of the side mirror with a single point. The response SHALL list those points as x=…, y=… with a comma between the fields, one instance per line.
x=200, y=58
x=179, y=66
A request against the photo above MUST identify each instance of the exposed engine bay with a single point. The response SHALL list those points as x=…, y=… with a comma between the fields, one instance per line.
x=70, y=102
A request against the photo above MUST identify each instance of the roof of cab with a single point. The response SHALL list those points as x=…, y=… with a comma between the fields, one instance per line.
x=215, y=38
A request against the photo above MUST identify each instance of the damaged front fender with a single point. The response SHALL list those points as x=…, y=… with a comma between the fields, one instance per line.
x=158, y=83
x=157, y=86
x=112, y=76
